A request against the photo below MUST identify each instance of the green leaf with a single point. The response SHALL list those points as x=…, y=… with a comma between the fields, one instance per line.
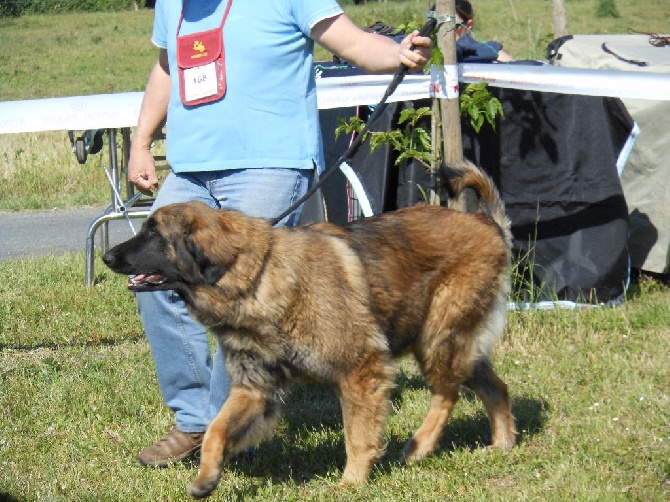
x=479, y=122
x=348, y=126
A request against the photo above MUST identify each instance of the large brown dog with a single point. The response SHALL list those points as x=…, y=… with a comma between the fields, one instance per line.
x=336, y=305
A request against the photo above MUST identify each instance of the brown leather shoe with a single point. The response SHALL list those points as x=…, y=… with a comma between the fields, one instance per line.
x=173, y=447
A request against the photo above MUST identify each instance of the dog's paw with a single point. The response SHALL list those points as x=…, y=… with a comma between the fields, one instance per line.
x=413, y=452
x=505, y=445
x=202, y=487
x=505, y=437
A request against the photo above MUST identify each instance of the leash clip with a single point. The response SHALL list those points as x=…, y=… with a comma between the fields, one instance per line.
x=431, y=14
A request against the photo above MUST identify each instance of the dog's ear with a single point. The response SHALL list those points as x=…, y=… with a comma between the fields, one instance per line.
x=210, y=272
x=219, y=241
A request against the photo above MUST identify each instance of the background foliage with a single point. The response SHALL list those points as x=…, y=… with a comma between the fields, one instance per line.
x=16, y=8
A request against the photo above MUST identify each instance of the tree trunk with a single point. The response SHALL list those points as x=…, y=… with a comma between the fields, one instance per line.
x=560, y=19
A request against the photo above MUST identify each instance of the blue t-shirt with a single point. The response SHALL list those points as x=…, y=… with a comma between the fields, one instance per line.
x=269, y=116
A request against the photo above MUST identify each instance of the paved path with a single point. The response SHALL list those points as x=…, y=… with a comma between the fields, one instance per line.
x=35, y=233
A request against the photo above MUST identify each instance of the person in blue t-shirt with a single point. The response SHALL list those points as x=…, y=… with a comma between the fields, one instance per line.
x=234, y=85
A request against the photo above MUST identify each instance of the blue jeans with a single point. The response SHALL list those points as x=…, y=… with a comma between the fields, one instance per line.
x=193, y=384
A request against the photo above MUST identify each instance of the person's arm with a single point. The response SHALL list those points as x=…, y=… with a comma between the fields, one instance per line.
x=141, y=165
x=371, y=52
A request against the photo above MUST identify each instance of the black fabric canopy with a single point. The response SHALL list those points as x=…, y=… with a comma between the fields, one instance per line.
x=553, y=158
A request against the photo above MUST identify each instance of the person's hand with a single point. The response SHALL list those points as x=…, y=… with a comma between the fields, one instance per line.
x=415, y=51
x=504, y=56
x=142, y=170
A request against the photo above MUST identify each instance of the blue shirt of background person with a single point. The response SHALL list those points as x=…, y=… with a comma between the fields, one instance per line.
x=469, y=50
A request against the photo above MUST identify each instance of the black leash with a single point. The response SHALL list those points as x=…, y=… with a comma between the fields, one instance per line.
x=398, y=76
x=621, y=58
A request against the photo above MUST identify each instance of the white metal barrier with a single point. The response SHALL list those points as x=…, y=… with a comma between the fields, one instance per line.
x=119, y=112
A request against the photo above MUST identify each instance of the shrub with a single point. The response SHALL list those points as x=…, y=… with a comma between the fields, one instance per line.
x=16, y=8
x=606, y=8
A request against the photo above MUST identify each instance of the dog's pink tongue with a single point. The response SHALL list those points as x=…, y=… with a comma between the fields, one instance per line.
x=145, y=279
x=137, y=279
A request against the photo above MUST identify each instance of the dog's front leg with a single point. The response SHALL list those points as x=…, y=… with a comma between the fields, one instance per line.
x=364, y=396
x=247, y=416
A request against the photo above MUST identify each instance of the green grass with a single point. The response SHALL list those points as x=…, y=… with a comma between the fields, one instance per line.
x=78, y=400
x=72, y=54
x=39, y=171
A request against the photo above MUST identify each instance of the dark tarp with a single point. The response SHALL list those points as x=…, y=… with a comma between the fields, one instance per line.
x=553, y=157
x=646, y=177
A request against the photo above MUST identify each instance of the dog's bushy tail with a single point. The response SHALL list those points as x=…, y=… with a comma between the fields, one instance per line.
x=465, y=175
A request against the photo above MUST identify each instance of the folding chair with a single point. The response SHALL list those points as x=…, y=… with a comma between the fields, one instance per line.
x=134, y=206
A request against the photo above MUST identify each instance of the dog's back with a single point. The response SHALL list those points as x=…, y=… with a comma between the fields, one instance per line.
x=439, y=280
x=413, y=254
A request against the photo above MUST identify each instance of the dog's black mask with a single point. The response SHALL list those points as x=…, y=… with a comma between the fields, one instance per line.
x=154, y=263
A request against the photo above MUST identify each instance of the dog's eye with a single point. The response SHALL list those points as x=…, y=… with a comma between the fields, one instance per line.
x=151, y=228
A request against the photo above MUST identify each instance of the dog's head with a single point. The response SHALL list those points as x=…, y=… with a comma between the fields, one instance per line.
x=183, y=246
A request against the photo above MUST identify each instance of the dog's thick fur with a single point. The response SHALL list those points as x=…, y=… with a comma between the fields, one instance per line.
x=336, y=305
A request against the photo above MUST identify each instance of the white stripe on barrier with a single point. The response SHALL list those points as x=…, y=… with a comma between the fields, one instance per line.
x=547, y=78
x=627, y=148
x=71, y=113
x=340, y=92
x=101, y=111
x=358, y=189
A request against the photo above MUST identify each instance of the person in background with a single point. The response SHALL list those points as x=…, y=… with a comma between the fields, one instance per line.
x=234, y=85
x=469, y=50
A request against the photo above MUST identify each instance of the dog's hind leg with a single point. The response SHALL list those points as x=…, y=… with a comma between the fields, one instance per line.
x=442, y=401
x=247, y=416
x=364, y=396
x=442, y=354
x=492, y=391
